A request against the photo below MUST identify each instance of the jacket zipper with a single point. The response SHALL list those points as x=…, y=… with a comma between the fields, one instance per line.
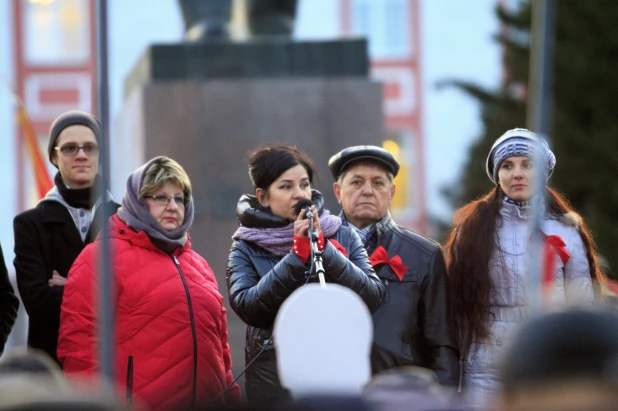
x=193, y=332
x=461, y=374
x=387, y=294
x=130, y=381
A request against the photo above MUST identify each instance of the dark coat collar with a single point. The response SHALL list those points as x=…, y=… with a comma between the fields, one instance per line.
x=383, y=226
x=53, y=212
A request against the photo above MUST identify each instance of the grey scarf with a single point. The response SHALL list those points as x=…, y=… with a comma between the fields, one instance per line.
x=135, y=213
x=279, y=240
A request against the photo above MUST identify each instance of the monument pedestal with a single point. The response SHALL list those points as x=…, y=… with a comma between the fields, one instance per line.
x=208, y=105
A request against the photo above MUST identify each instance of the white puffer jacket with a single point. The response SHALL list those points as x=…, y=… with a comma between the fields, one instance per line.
x=508, y=271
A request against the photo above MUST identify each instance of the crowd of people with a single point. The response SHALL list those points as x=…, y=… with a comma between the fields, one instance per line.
x=453, y=327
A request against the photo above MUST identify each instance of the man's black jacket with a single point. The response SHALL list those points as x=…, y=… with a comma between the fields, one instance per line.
x=8, y=303
x=413, y=326
x=46, y=239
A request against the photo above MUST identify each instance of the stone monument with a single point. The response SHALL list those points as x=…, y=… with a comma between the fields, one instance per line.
x=209, y=19
x=208, y=101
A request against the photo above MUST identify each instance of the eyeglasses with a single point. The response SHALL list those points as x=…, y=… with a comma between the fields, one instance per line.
x=71, y=149
x=165, y=200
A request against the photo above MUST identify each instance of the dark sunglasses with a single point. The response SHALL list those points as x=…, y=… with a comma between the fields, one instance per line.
x=71, y=149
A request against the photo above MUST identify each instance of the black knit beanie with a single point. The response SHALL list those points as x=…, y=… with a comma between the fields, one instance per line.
x=71, y=118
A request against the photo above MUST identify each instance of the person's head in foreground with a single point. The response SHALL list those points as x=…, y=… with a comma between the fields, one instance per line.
x=563, y=361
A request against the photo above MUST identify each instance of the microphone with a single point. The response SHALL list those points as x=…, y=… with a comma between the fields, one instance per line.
x=304, y=204
x=316, y=255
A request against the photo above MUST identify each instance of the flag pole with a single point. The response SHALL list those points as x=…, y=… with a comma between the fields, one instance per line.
x=539, y=120
x=106, y=335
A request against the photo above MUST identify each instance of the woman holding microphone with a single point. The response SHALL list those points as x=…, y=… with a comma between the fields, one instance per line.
x=270, y=257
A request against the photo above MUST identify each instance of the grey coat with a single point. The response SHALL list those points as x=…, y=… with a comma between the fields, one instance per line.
x=509, y=275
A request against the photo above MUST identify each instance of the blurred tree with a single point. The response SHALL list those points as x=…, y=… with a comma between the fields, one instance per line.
x=584, y=134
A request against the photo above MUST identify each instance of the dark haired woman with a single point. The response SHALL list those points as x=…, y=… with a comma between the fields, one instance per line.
x=270, y=256
x=488, y=252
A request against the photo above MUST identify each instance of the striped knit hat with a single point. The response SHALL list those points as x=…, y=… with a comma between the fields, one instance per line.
x=518, y=142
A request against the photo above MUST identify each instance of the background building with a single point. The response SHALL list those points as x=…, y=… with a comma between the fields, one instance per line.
x=393, y=30
x=54, y=58
x=414, y=44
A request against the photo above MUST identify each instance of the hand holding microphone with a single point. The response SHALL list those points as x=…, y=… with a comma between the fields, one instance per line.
x=305, y=209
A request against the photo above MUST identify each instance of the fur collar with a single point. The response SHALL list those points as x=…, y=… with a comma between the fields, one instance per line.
x=572, y=219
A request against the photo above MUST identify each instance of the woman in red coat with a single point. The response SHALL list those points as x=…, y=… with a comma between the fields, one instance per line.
x=171, y=329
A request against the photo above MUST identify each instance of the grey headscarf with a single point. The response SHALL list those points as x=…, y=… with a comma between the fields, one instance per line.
x=135, y=213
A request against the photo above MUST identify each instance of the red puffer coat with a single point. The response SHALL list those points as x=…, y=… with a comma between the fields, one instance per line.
x=170, y=324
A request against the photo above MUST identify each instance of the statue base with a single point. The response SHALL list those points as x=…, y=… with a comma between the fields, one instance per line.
x=208, y=105
x=261, y=58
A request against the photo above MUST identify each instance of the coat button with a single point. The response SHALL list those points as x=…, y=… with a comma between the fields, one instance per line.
x=499, y=342
x=121, y=231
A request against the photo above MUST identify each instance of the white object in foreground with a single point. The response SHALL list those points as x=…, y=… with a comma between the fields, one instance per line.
x=323, y=341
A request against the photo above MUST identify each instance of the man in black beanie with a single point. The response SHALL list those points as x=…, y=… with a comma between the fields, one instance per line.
x=49, y=237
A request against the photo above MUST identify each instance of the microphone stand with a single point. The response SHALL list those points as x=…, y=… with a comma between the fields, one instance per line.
x=316, y=254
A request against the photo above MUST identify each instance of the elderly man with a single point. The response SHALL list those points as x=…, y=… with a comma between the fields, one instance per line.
x=413, y=326
x=49, y=237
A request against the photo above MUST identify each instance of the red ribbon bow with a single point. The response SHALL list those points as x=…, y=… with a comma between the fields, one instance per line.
x=554, y=245
x=380, y=256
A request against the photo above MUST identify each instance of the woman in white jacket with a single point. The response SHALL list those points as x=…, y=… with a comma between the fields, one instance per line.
x=488, y=252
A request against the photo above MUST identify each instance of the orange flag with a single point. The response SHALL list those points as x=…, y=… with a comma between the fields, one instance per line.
x=41, y=177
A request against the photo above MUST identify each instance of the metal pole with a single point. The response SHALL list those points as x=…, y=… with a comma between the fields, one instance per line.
x=539, y=120
x=106, y=337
